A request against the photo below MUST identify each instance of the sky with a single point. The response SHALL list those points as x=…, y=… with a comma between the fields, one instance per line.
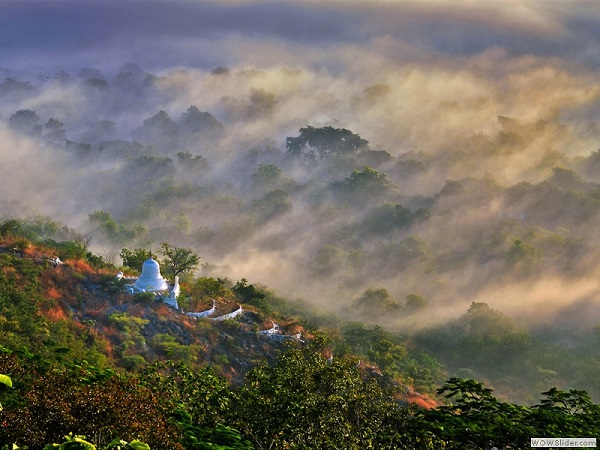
x=47, y=35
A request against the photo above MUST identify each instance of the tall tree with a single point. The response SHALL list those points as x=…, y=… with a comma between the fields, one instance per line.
x=327, y=141
x=179, y=260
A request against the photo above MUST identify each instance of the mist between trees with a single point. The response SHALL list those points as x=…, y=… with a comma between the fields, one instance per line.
x=399, y=219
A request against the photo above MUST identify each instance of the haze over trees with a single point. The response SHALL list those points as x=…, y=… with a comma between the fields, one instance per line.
x=320, y=212
x=409, y=223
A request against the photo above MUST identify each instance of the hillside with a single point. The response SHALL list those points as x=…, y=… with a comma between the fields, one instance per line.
x=77, y=309
x=83, y=312
x=369, y=224
x=475, y=254
x=86, y=357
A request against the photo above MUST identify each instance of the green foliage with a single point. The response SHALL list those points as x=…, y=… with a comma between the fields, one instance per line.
x=365, y=187
x=21, y=325
x=487, y=342
x=522, y=256
x=113, y=231
x=266, y=175
x=327, y=141
x=569, y=413
x=72, y=443
x=79, y=443
x=386, y=218
x=14, y=228
x=390, y=352
x=208, y=287
x=304, y=401
x=415, y=303
x=406, y=254
x=52, y=401
x=71, y=250
x=332, y=259
x=272, y=204
x=376, y=302
x=200, y=398
x=221, y=437
x=192, y=162
x=119, y=444
x=5, y=381
x=134, y=259
x=178, y=260
x=248, y=293
x=168, y=346
x=477, y=420
x=199, y=123
x=131, y=328
x=369, y=181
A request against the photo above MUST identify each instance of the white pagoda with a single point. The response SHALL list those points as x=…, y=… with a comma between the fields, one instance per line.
x=152, y=281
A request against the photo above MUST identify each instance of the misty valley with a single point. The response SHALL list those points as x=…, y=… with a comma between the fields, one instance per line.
x=424, y=256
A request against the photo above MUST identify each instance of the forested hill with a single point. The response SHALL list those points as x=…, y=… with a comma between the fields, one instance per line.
x=85, y=357
x=66, y=304
x=475, y=254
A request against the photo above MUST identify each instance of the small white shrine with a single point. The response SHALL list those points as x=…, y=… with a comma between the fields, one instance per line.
x=151, y=280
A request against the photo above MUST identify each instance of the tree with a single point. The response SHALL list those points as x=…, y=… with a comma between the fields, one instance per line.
x=369, y=181
x=159, y=130
x=263, y=102
x=179, y=260
x=54, y=131
x=477, y=420
x=87, y=401
x=189, y=161
x=248, y=293
x=376, y=302
x=195, y=121
x=415, y=303
x=25, y=120
x=15, y=89
x=14, y=228
x=327, y=141
x=135, y=259
x=114, y=231
x=272, y=204
x=202, y=405
x=386, y=218
x=569, y=413
x=266, y=175
x=306, y=401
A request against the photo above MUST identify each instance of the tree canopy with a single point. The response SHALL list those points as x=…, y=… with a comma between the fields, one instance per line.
x=327, y=141
x=179, y=260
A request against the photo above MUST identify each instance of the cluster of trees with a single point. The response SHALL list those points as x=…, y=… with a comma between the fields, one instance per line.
x=58, y=379
x=304, y=400
x=176, y=261
x=438, y=226
x=485, y=344
x=482, y=344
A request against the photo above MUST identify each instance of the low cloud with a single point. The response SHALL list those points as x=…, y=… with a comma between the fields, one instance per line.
x=489, y=96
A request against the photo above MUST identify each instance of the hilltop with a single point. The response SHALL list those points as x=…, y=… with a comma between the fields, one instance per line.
x=106, y=326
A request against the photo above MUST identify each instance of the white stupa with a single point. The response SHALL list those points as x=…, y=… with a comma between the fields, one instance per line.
x=150, y=280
